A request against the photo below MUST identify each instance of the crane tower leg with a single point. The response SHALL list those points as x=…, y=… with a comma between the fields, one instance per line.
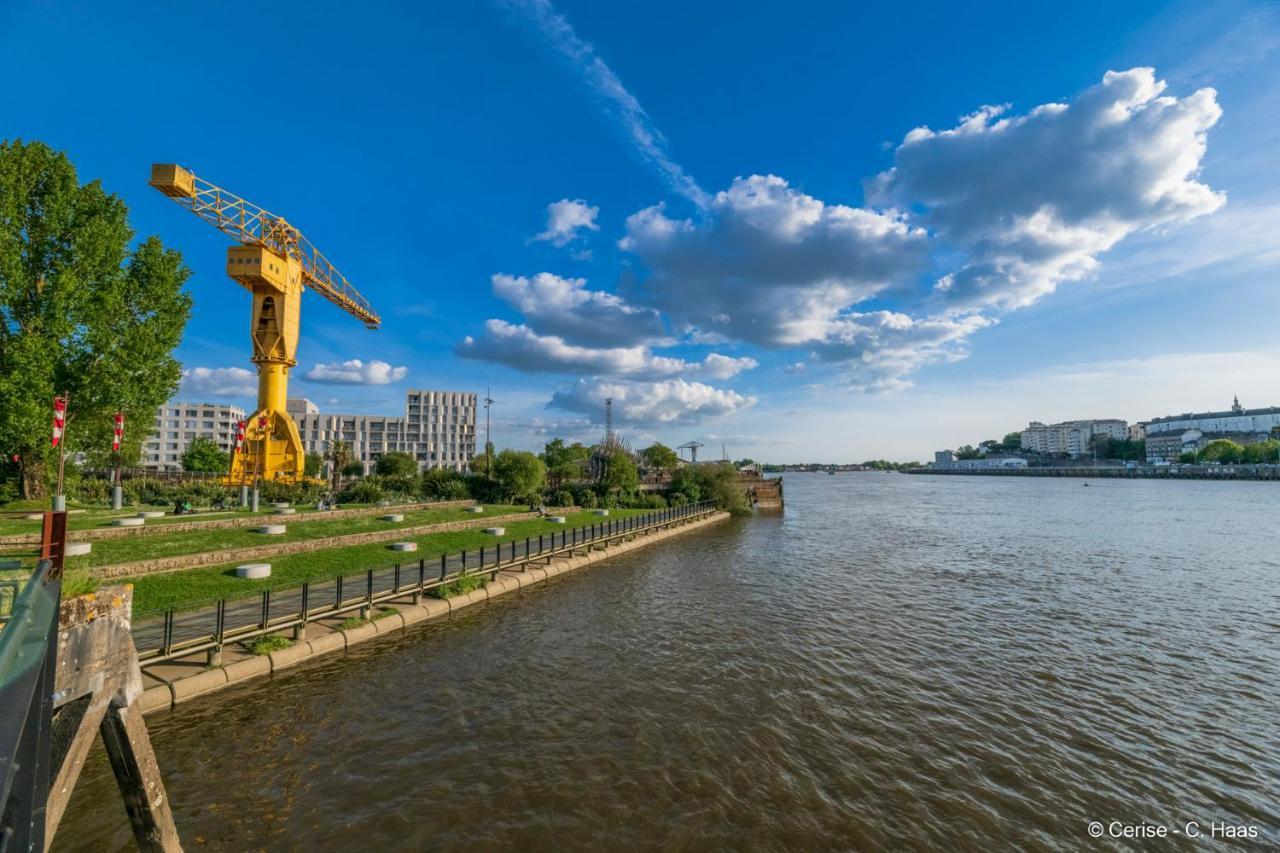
x=273, y=449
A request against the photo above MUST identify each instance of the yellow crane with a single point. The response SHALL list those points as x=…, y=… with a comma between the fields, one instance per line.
x=275, y=263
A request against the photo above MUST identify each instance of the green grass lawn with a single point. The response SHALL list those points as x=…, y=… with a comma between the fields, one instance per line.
x=97, y=516
x=203, y=585
x=158, y=543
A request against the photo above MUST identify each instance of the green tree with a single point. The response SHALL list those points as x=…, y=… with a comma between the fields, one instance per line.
x=743, y=463
x=312, y=463
x=396, y=463
x=967, y=452
x=563, y=461
x=203, y=454
x=1260, y=452
x=339, y=456
x=1187, y=457
x=519, y=473
x=1222, y=450
x=1012, y=442
x=659, y=457
x=686, y=483
x=80, y=314
x=620, y=474
x=488, y=459
x=354, y=468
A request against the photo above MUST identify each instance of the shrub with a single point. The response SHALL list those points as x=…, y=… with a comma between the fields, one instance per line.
x=398, y=487
x=442, y=484
x=294, y=493
x=268, y=644
x=461, y=586
x=560, y=497
x=361, y=492
x=483, y=490
x=93, y=491
x=397, y=463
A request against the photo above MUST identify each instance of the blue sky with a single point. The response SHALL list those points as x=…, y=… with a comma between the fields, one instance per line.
x=725, y=216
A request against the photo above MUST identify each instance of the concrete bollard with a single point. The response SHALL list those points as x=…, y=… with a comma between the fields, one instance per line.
x=59, y=503
x=272, y=529
x=474, y=509
x=151, y=513
x=600, y=512
x=128, y=522
x=395, y=516
x=557, y=519
x=404, y=546
x=495, y=531
x=117, y=497
x=253, y=500
x=78, y=549
x=283, y=510
x=215, y=657
x=280, y=505
x=254, y=571
x=244, y=496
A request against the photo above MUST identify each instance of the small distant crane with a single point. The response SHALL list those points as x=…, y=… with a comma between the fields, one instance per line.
x=692, y=447
x=275, y=263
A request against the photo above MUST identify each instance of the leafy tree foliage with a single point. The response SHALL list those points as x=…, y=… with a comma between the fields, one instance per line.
x=1012, y=442
x=203, y=454
x=659, y=457
x=397, y=463
x=312, y=463
x=620, y=473
x=563, y=461
x=519, y=473
x=1261, y=452
x=967, y=451
x=1130, y=450
x=1223, y=450
x=339, y=456
x=80, y=314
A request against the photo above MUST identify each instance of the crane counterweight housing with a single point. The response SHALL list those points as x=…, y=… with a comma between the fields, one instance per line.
x=275, y=263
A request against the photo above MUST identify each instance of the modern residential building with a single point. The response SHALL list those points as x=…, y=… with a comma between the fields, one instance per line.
x=1070, y=438
x=986, y=463
x=1238, y=419
x=177, y=423
x=438, y=428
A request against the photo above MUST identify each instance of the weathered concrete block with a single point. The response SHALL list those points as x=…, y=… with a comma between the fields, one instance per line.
x=557, y=519
x=151, y=513
x=78, y=549
x=155, y=699
x=34, y=516
x=394, y=516
x=412, y=614
x=435, y=607
x=280, y=505
x=185, y=689
x=496, y=531
x=334, y=641
x=387, y=624
x=272, y=529
x=360, y=634
x=599, y=512
x=248, y=668
x=503, y=585
x=284, y=510
x=404, y=546
x=296, y=653
x=128, y=522
x=254, y=571
x=474, y=509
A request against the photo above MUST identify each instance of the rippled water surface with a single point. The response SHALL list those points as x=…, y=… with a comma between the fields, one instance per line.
x=898, y=662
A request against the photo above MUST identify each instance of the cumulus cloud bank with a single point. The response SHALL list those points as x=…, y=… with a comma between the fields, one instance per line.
x=769, y=264
x=668, y=403
x=1034, y=199
x=566, y=220
x=524, y=349
x=565, y=307
x=218, y=382
x=357, y=372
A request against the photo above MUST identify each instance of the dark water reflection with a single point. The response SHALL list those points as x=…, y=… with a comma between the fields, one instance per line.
x=897, y=663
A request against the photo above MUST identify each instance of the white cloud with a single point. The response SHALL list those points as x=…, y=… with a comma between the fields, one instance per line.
x=877, y=349
x=357, y=372
x=670, y=402
x=1034, y=199
x=565, y=307
x=524, y=349
x=566, y=220
x=769, y=264
x=648, y=143
x=218, y=382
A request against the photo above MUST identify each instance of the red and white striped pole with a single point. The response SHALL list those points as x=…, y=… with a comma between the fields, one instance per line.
x=117, y=437
x=59, y=428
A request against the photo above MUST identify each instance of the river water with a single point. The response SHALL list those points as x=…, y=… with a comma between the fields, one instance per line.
x=897, y=662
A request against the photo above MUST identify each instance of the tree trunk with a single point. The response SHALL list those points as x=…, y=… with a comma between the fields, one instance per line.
x=31, y=478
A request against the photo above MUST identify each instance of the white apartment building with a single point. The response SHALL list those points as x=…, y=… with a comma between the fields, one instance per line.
x=1070, y=438
x=1257, y=422
x=177, y=423
x=438, y=428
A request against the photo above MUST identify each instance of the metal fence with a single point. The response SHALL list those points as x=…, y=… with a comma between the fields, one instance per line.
x=179, y=633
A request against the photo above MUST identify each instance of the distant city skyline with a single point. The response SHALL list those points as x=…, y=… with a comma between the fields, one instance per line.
x=806, y=252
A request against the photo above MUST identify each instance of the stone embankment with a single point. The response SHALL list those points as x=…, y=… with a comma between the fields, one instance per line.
x=183, y=681
x=197, y=523
x=180, y=562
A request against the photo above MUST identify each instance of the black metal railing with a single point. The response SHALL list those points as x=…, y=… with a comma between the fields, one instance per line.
x=179, y=633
